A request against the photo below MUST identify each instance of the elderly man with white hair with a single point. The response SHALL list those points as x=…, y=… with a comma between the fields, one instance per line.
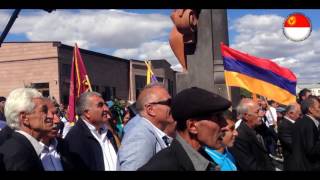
x=26, y=114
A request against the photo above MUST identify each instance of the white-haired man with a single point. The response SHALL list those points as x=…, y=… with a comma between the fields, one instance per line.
x=26, y=113
x=249, y=149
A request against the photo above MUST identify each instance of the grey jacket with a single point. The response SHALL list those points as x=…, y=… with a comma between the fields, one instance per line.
x=140, y=142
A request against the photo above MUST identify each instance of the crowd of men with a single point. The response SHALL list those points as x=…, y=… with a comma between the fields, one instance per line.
x=192, y=131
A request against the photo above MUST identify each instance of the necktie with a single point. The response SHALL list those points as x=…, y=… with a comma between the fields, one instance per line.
x=112, y=140
x=166, y=140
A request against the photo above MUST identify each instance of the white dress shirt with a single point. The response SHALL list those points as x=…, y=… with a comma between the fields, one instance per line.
x=289, y=119
x=50, y=158
x=271, y=115
x=109, y=154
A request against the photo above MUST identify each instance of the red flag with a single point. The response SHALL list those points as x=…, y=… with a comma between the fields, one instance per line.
x=79, y=82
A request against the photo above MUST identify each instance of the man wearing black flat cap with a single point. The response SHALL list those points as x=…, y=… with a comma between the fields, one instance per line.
x=199, y=121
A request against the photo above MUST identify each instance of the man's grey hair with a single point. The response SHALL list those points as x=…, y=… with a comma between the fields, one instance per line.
x=291, y=108
x=83, y=103
x=243, y=108
x=19, y=100
x=144, y=98
x=307, y=103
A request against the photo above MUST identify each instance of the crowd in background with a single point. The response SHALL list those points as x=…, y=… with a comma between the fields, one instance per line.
x=193, y=131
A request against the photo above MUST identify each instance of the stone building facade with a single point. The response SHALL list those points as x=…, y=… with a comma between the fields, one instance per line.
x=47, y=67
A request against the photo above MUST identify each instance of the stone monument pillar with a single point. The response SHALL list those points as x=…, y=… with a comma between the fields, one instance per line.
x=205, y=65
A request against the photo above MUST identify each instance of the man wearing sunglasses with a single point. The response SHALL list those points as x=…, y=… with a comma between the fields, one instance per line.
x=199, y=116
x=144, y=135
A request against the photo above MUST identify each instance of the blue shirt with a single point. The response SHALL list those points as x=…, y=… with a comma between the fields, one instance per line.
x=225, y=161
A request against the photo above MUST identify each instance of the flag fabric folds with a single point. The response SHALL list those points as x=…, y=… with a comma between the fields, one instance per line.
x=79, y=82
x=151, y=78
x=259, y=76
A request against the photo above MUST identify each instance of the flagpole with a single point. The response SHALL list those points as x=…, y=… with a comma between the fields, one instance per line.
x=130, y=96
x=89, y=83
x=148, y=72
x=228, y=87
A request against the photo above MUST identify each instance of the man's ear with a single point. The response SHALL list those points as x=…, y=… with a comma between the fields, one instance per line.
x=149, y=110
x=86, y=114
x=192, y=126
x=23, y=117
x=311, y=109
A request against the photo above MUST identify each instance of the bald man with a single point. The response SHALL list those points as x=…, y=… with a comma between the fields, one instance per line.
x=249, y=149
x=144, y=135
x=293, y=113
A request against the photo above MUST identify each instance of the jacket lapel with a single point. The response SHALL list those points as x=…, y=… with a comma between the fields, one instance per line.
x=252, y=135
x=181, y=156
x=160, y=141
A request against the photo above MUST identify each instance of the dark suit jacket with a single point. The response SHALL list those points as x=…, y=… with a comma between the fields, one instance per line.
x=82, y=150
x=305, y=146
x=249, y=153
x=285, y=130
x=66, y=164
x=19, y=154
x=5, y=134
x=174, y=158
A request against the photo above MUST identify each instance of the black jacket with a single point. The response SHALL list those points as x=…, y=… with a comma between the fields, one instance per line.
x=82, y=150
x=285, y=130
x=174, y=158
x=305, y=146
x=5, y=134
x=19, y=154
x=249, y=153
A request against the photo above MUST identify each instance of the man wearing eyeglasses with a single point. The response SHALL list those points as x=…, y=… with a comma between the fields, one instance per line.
x=26, y=114
x=87, y=145
x=199, y=116
x=144, y=135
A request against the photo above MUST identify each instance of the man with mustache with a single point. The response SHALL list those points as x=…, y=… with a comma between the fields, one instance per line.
x=52, y=145
x=87, y=146
x=199, y=116
x=222, y=156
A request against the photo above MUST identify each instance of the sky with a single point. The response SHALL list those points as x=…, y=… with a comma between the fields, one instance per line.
x=143, y=34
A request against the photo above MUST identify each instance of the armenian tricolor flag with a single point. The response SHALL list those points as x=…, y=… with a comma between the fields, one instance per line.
x=259, y=76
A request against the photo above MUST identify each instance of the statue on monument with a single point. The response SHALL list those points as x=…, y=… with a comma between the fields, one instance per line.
x=183, y=35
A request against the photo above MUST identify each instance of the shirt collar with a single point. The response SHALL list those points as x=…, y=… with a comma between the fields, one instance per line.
x=34, y=142
x=52, y=146
x=316, y=122
x=289, y=119
x=103, y=129
x=215, y=153
x=199, y=162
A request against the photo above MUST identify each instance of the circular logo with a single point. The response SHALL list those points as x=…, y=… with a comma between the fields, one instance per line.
x=297, y=27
